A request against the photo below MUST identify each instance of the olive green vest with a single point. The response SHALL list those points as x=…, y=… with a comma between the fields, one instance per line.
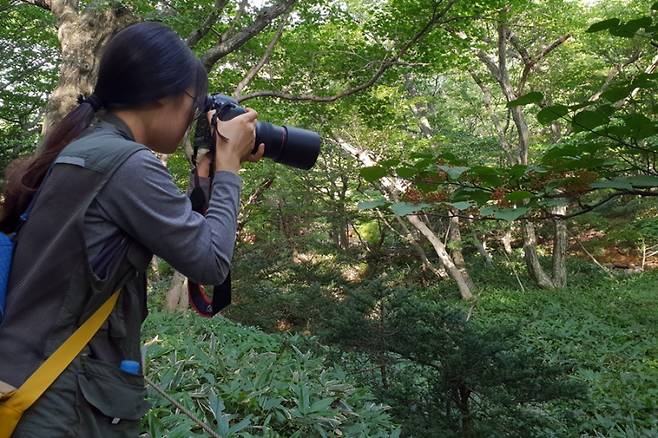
x=53, y=289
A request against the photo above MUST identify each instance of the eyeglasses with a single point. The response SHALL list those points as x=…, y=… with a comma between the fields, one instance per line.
x=197, y=110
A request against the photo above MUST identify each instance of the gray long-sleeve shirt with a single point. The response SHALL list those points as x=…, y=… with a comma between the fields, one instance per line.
x=142, y=201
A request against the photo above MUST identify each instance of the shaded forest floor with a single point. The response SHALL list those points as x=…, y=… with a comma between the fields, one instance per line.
x=603, y=330
x=607, y=331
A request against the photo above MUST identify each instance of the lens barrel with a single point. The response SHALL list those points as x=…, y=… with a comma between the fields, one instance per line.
x=287, y=145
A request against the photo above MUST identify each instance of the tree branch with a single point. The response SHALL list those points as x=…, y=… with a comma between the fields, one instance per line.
x=385, y=65
x=531, y=63
x=490, y=64
x=614, y=71
x=649, y=70
x=256, y=68
x=225, y=46
x=516, y=43
x=198, y=34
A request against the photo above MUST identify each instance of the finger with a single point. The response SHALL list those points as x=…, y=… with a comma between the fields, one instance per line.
x=259, y=153
x=207, y=157
x=209, y=114
x=249, y=115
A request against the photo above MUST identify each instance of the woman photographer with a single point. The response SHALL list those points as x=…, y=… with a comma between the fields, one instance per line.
x=103, y=205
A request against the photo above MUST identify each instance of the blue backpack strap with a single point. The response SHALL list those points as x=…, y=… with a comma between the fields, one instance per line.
x=6, y=256
x=7, y=245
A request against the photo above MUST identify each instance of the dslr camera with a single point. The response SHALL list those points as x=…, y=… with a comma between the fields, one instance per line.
x=288, y=145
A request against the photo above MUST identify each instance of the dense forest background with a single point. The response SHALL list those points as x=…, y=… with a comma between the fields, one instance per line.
x=472, y=254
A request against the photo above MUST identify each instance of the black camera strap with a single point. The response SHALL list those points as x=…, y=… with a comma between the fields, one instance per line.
x=221, y=297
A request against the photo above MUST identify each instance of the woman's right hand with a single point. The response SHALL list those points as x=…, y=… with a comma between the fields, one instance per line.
x=236, y=141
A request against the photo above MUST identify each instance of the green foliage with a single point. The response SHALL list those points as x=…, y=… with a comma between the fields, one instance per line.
x=246, y=383
x=607, y=330
x=28, y=49
x=449, y=376
x=532, y=97
x=508, y=370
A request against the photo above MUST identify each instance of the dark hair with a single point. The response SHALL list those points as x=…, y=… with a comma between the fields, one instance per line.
x=142, y=63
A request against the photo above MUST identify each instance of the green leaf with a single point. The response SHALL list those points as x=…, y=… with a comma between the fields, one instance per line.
x=488, y=175
x=644, y=80
x=517, y=171
x=462, y=205
x=654, y=7
x=555, y=202
x=581, y=105
x=453, y=172
x=508, y=214
x=612, y=184
x=587, y=120
x=406, y=172
x=427, y=187
x=367, y=205
x=373, y=173
x=640, y=126
x=241, y=425
x=389, y=163
x=422, y=163
x=405, y=208
x=321, y=405
x=627, y=183
x=643, y=180
x=519, y=196
x=532, y=97
x=616, y=93
x=603, y=25
x=630, y=28
x=478, y=196
x=551, y=113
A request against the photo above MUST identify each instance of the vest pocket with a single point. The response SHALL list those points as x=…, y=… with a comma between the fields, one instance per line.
x=111, y=401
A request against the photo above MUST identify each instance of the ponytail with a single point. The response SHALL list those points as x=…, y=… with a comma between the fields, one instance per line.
x=140, y=65
x=24, y=175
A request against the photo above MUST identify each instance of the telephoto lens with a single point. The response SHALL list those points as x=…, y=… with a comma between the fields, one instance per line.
x=287, y=145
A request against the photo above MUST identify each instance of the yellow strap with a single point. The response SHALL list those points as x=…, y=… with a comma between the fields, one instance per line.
x=30, y=391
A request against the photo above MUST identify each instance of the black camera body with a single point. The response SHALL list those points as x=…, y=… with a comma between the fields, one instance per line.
x=288, y=145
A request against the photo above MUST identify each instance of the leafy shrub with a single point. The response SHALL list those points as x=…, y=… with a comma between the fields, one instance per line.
x=446, y=375
x=247, y=383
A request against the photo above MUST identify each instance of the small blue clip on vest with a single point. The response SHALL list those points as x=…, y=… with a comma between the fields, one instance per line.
x=6, y=255
x=130, y=367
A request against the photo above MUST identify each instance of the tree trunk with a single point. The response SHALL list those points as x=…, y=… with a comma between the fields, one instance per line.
x=507, y=241
x=482, y=249
x=82, y=36
x=177, y=296
x=341, y=228
x=535, y=269
x=560, y=244
x=390, y=188
x=456, y=250
x=426, y=264
x=465, y=290
x=155, y=269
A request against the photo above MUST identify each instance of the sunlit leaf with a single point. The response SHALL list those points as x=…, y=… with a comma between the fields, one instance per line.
x=406, y=208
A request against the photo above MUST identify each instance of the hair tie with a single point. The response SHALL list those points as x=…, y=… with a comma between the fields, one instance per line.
x=92, y=100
